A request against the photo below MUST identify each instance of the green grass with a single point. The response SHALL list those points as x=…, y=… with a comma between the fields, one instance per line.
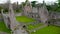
x=48, y=30
x=30, y=27
x=3, y=27
x=24, y=19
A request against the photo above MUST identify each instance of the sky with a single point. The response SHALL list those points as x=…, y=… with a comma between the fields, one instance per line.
x=40, y=1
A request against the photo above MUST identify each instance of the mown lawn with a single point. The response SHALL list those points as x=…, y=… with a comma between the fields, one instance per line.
x=48, y=30
x=3, y=27
x=30, y=27
x=24, y=19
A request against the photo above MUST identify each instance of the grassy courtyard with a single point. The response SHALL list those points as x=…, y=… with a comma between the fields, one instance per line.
x=3, y=27
x=48, y=30
x=30, y=27
x=24, y=19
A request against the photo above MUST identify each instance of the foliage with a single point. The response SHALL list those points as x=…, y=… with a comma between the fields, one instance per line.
x=33, y=3
x=55, y=7
x=5, y=10
x=52, y=7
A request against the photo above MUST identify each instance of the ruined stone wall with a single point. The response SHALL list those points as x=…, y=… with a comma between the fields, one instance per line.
x=55, y=15
x=43, y=13
x=34, y=10
x=18, y=14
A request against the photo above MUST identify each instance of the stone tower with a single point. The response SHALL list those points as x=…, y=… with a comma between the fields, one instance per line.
x=43, y=13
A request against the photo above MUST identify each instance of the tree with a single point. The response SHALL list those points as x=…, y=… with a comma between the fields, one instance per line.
x=33, y=3
x=53, y=7
x=59, y=2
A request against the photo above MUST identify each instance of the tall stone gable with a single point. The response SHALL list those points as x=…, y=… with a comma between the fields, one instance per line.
x=27, y=7
x=13, y=22
x=43, y=13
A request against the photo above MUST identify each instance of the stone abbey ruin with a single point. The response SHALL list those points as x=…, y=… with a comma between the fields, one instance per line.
x=39, y=13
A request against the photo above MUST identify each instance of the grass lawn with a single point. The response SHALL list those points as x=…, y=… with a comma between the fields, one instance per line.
x=24, y=19
x=48, y=30
x=30, y=27
x=3, y=27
